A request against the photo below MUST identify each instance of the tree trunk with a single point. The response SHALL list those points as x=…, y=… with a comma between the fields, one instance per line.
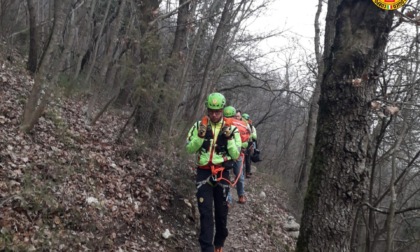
x=93, y=86
x=150, y=73
x=338, y=174
x=113, y=42
x=33, y=38
x=223, y=29
x=374, y=199
x=182, y=109
x=83, y=51
x=310, y=130
x=177, y=60
x=178, y=54
x=108, y=69
x=391, y=211
x=48, y=71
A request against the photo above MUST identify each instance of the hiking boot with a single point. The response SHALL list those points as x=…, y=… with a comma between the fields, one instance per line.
x=242, y=199
x=248, y=175
x=218, y=249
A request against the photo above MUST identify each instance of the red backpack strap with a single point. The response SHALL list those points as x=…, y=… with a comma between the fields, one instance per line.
x=205, y=120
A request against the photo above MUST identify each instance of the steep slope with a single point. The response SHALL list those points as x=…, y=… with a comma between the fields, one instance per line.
x=68, y=186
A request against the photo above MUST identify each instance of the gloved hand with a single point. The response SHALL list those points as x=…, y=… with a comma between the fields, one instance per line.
x=230, y=164
x=202, y=130
x=227, y=132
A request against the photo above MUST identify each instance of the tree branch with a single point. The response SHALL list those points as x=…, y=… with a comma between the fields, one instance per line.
x=166, y=15
x=376, y=209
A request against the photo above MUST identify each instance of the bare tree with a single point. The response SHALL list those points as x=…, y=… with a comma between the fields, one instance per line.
x=108, y=71
x=83, y=45
x=177, y=59
x=222, y=30
x=33, y=38
x=338, y=174
x=48, y=71
x=149, y=71
x=393, y=152
x=93, y=86
x=313, y=109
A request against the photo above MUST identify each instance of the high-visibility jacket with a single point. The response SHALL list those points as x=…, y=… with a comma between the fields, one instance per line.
x=253, y=133
x=214, y=148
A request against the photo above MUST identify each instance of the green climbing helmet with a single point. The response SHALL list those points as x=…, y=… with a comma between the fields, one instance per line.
x=229, y=111
x=215, y=101
x=245, y=116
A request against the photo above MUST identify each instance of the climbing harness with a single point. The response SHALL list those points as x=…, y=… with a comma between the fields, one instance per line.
x=217, y=176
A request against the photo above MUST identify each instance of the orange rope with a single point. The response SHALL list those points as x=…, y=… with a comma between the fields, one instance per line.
x=217, y=169
x=240, y=171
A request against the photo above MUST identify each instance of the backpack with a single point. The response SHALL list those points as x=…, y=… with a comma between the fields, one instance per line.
x=255, y=157
x=243, y=129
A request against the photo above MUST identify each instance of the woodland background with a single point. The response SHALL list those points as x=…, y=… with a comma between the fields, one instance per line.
x=154, y=62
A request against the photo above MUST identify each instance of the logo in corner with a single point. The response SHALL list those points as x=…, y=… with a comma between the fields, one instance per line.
x=389, y=4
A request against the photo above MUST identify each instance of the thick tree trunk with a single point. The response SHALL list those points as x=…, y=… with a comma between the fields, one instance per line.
x=337, y=181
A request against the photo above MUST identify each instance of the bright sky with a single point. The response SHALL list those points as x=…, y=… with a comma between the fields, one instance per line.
x=295, y=17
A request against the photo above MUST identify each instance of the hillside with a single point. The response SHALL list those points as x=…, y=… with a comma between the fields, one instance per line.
x=68, y=186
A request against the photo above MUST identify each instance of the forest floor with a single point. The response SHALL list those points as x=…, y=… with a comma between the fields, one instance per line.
x=70, y=186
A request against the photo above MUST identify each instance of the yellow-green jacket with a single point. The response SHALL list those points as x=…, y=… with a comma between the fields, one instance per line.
x=253, y=133
x=206, y=148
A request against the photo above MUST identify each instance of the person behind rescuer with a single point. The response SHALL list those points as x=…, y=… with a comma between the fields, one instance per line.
x=252, y=147
x=238, y=170
x=213, y=140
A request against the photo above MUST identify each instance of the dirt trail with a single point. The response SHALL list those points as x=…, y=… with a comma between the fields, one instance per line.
x=257, y=225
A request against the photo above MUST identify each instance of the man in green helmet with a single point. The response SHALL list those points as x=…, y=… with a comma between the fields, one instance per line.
x=213, y=140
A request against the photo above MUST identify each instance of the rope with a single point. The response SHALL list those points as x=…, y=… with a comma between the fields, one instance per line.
x=215, y=169
x=240, y=170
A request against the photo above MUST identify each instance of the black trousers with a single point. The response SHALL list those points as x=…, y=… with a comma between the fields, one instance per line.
x=207, y=195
